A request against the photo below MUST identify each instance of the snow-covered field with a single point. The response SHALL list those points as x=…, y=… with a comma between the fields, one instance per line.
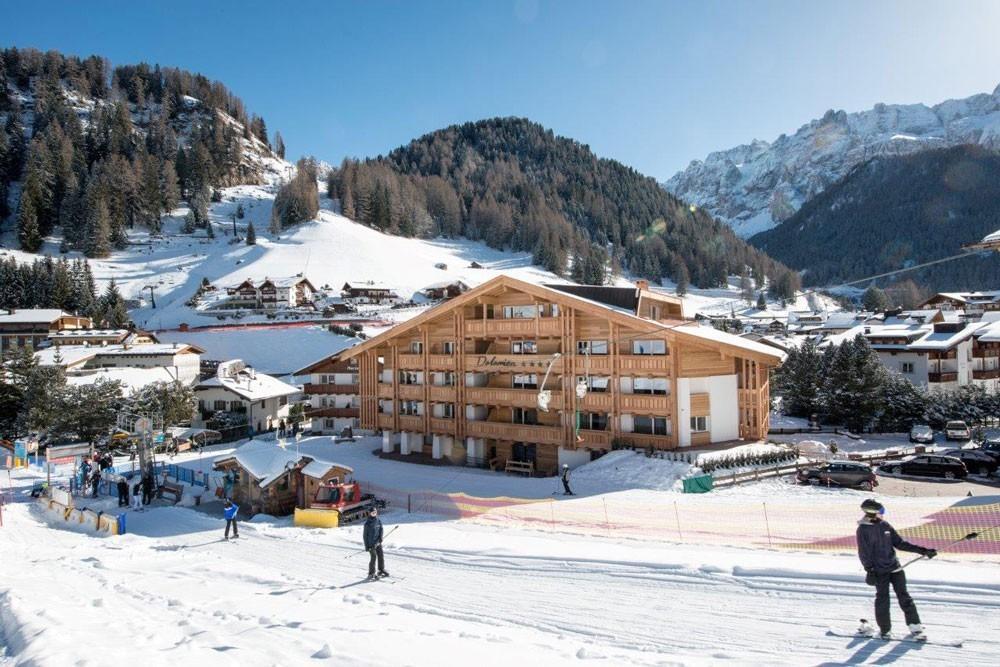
x=494, y=592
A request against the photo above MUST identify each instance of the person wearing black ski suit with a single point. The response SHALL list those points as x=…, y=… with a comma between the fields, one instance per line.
x=373, y=543
x=877, y=544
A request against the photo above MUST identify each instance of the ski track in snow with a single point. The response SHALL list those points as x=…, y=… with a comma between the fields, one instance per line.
x=487, y=595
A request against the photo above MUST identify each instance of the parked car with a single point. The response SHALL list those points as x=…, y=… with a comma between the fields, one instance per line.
x=957, y=430
x=928, y=465
x=991, y=447
x=840, y=473
x=975, y=460
x=922, y=433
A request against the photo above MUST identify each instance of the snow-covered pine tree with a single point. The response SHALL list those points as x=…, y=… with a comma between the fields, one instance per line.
x=251, y=235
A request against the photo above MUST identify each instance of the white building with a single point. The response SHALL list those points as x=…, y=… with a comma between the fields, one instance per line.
x=172, y=361
x=237, y=388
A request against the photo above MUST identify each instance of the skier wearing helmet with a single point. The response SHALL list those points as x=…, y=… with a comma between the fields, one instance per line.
x=373, y=544
x=565, y=480
x=877, y=544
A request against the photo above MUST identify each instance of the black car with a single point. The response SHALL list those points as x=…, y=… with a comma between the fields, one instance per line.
x=840, y=473
x=975, y=460
x=928, y=465
x=991, y=447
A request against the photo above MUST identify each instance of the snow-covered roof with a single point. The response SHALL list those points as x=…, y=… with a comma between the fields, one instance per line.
x=132, y=379
x=366, y=284
x=89, y=333
x=443, y=284
x=251, y=386
x=266, y=461
x=32, y=316
x=73, y=355
x=290, y=281
x=714, y=335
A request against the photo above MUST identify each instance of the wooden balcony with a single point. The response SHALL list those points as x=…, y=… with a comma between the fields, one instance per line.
x=326, y=389
x=411, y=391
x=657, y=363
x=543, y=435
x=942, y=377
x=646, y=403
x=594, y=364
x=594, y=438
x=384, y=390
x=511, y=363
x=414, y=423
x=385, y=422
x=597, y=401
x=317, y=413
x=520, y=398
x=442, y=394
x=441, y=361
x=442, y=426
x=986, y=375
x=643, y=440
x=544, y=326
x=413, y=362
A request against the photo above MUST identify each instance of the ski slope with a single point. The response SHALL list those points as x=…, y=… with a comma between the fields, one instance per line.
x=461, y=593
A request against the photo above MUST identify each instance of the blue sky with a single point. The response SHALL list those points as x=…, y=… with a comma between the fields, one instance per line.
x=652, y=84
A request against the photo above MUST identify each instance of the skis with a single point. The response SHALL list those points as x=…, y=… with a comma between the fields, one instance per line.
x=854, y=634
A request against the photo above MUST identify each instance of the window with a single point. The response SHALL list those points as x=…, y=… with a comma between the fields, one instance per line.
x=524, y=347
x=529, y=381
x=525, y=416
x=282, y=400
x=906, y=367
x=448, y=347
x=412, y=408
x=591, y=347
x=649, y=347
x=329, y=423
x=699, y=424
x=650, y=425
x=594, y=421
x=446, y=379
x=409, y=377
x=220, y=405
x=201, y=405
x=654, y=386
x=416, y=347
x=448, y=410
x=594, y=383
x=520, y=312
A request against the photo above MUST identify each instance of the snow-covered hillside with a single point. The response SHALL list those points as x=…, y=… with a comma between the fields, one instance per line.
x=754, y=186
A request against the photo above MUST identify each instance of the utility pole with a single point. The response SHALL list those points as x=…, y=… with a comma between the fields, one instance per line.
x=151, y=297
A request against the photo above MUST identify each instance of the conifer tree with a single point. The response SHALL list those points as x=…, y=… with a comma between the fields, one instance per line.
x=29, y=233
x=112, y=307
x=251, y=235
x=98, y=230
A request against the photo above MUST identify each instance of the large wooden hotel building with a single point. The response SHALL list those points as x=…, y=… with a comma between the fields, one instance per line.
x=461, y=381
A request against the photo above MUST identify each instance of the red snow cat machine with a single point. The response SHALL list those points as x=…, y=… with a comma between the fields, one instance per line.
x=337, y=503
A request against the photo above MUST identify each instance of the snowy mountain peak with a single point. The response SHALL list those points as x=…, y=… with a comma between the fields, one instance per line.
x=753, y=187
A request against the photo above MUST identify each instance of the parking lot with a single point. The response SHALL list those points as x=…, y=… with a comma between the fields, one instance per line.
x=917, y=487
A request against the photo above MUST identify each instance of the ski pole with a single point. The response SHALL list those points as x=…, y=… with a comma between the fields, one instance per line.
x=361, y=551
x=970, y=536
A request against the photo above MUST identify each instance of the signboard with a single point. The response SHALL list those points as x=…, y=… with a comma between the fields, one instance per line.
x=158, y=438
x=56, y=453
x=493, y=362
x=21, y=449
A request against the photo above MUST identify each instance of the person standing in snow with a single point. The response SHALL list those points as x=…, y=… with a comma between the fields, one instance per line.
x=229, y=512
x=122, y=487
x=228, y=481
x=877, y=544
x=137, y=497
x=147, y=488
x=95, y=480
x=373, y=544
x=565, y=481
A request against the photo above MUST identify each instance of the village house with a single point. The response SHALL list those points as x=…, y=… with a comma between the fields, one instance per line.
x=135, y=365
x=973, y=303
x=275, y=480
x=272, y=293
x=263, y=401
x=462, y=380
x=368, y=291
x=333, y=393
x=101, y=337
x=33, y=326
x=446, y=289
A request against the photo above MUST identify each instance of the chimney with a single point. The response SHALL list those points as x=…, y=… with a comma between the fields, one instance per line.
x=642, y=284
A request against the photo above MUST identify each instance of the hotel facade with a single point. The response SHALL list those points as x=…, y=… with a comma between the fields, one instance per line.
x=461, y=381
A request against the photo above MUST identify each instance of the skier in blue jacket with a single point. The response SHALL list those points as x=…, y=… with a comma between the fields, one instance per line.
x=877, y=544
x=373, y=544
x=229, y=513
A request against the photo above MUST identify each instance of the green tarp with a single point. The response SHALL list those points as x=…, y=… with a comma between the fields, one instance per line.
x=702, y=484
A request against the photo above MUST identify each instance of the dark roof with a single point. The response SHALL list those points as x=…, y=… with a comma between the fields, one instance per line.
x=619, y=297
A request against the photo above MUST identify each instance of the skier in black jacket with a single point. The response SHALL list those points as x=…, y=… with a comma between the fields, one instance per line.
x=877, y=544
x=565, y=481
x=373, y=544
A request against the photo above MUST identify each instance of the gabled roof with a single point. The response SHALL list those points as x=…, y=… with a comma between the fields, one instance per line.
x=267, y=462
x=692, y=332
x=367, y=285
x=318, y=365
x=251, y=386
x=32, y=316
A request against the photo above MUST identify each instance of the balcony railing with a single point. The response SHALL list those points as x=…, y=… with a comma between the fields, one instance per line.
x=645, y=362
x=333, y=412
x=543, y=435
x=385, y=422
x=522, y=398
x=384, y=390
x=644, y=440
x=411, y=423
x=597, y=401
x=658, y=403
x=545, y=326
x=593, y=438
x=942, y=377
x=441, y=361
x=992, y=374
x=340, y=389
x=443, y=426
x=411, y=391
x=595, y=363
x=411, y=361
x=442, y=393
